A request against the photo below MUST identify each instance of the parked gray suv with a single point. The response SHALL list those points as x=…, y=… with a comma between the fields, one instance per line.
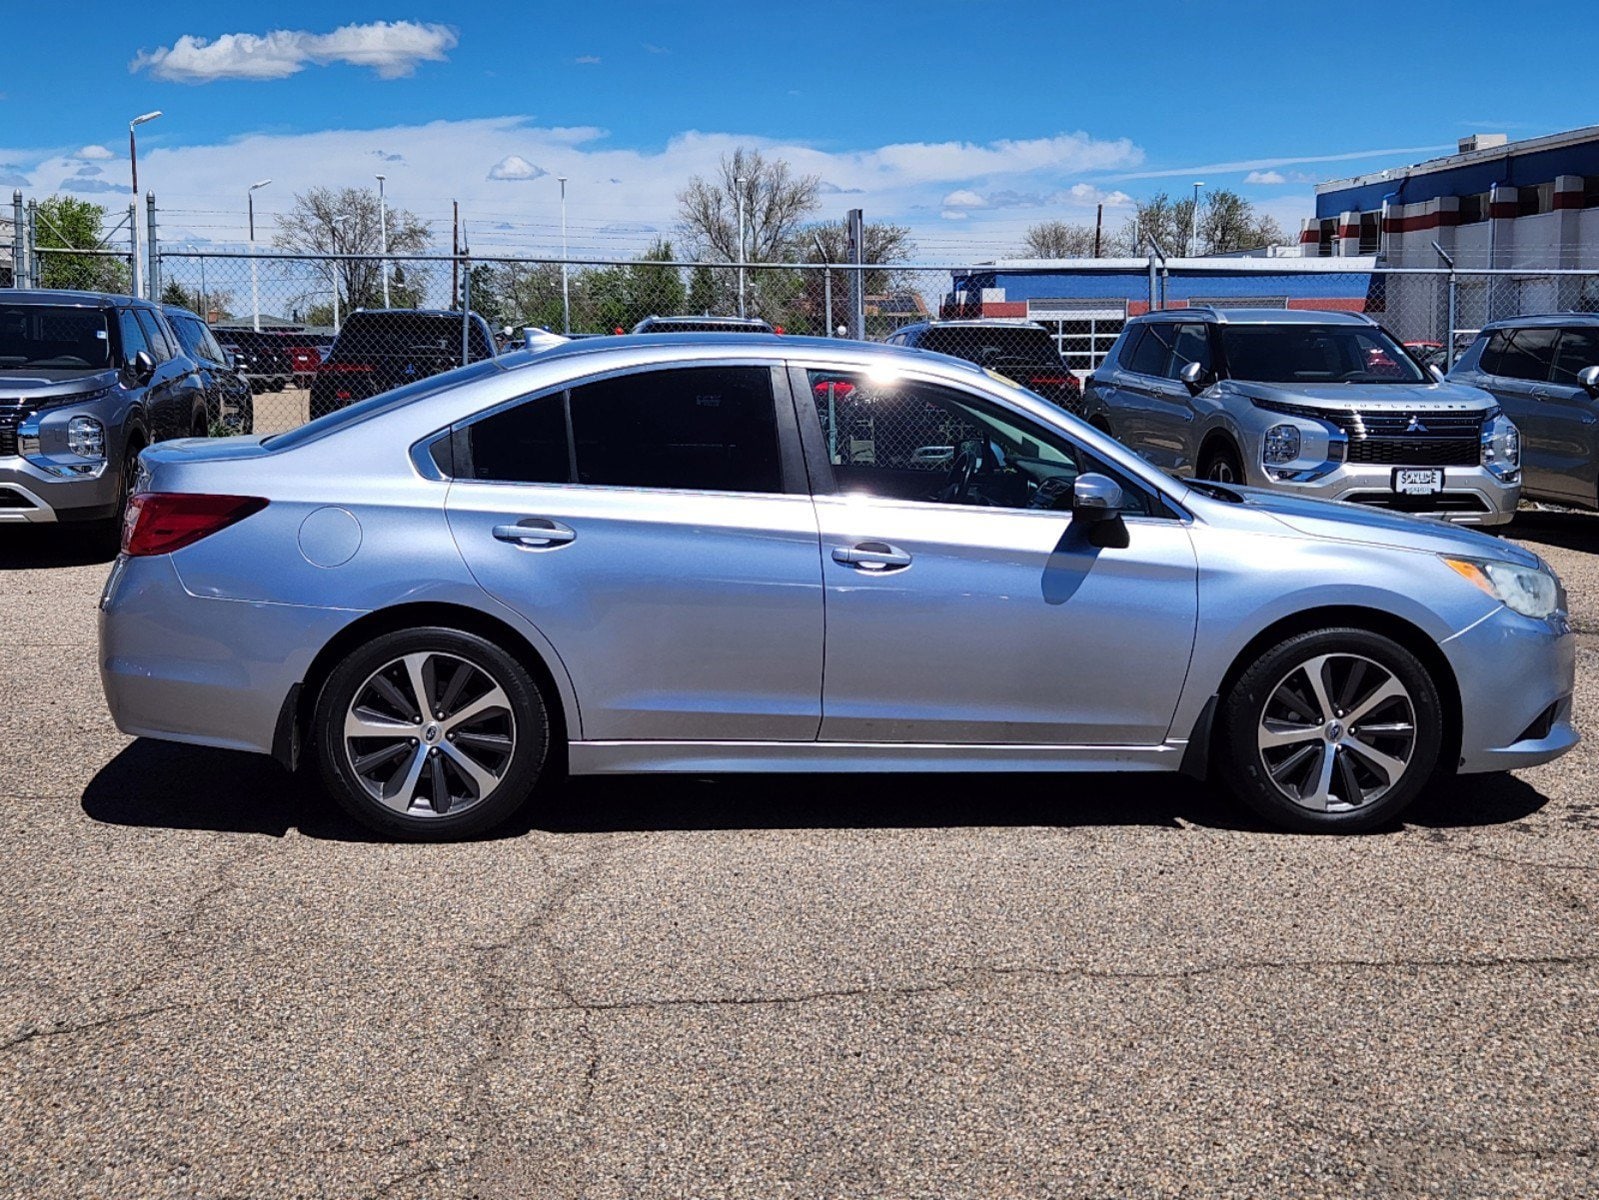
x=1544, y=372
x=1321, y=404
x=86, y=382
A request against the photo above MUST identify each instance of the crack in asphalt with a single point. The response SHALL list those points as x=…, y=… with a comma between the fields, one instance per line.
x=32, y=1033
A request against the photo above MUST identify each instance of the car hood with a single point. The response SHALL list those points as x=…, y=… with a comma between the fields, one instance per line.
x=1338, y=521
x=1354, y=395
x=33, y=384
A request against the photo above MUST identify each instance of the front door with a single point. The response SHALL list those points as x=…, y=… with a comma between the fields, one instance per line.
x=963, y=606
x=1515, y=365
x=645, y=524
x=1568, y=425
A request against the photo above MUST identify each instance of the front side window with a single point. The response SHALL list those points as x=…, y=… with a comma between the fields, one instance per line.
x=47, y=336
x=1579, y=348
x=1312, y=354
x=133, y=339
x=1192, y=345
x=907, y=440
x=708, y=429
x=160, y=348
x=1520, y=353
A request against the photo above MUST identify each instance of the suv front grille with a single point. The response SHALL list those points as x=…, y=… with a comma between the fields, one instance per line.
x=10, y=417
x=1399, y=437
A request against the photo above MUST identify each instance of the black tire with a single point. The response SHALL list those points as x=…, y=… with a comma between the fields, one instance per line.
x=524, y=716
x=202, y=427
x=1221, y=464
x=1259, y=707
x=110, y=530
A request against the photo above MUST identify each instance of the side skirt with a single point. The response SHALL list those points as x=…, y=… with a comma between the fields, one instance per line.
x=619, y=758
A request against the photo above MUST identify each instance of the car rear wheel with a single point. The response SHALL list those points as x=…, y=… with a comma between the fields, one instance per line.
x=1332, y=731
x=1221, y=464
x=431, y=734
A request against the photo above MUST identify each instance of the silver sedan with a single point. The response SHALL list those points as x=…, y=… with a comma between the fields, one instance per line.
x=710, y=554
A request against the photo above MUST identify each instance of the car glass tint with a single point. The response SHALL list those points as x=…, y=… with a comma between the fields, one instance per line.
x=1313, y=354
x=694, y=428
x=523, y=444
x=431, y=337
x=1579, y=348
x=994, y=346
x=1520, y=353
x=1192, y=345
x=46, y=337
x=1154, y=352
x=154, y=335
x=133, y=339
x=209, y=350
x=188, y=332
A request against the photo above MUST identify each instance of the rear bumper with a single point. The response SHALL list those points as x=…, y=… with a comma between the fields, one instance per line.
x=1516, y=677
x=194, y=669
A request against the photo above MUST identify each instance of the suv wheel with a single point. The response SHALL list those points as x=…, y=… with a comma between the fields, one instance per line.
x=1331, y=731
x=1221, y=464
x=431, y=734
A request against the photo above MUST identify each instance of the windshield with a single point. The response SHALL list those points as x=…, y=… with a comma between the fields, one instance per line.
x=1316, y=354
x=49, y=336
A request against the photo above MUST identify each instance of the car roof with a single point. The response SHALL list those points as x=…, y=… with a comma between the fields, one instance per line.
x=739, y=345
x=759, y=323
x=1543, y=321
x=60, y=296
x=1257, y=316
x=975, y=323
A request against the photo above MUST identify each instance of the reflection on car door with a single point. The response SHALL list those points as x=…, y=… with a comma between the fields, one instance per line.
x=650, y=525
x=963, y=623
x=1515, y=366
x=1153, y=413
x=1568, y=424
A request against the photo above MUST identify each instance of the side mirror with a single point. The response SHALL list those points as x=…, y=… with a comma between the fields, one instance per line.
x=1437, y=371
x=143, y=366
x=1096, y=498
x=1588, y=378
x=232, y=362
x=1193, y=377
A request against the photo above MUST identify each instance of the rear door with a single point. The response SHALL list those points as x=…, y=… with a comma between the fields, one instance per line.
x=656, y=527
x=1149, y=414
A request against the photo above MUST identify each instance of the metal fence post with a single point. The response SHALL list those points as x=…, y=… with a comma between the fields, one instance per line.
x=19, y=254
x=466, y=310
x=35, y=274
x=154, y=271
x=1449, y=321
x=857, y=276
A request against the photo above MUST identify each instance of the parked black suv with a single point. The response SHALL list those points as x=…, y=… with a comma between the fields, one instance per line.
x=1544, y=371
x=1021, y=350
x=261, y=356
x=86, y=381
x=383, y=348
x=229, y=399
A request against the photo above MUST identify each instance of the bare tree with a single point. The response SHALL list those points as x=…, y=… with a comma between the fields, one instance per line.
x=329, y=221
x=775, y=202
x=1227, y=222
x=1057, y=239
x=883, y=245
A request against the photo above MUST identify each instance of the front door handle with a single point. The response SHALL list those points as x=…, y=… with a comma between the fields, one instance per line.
x=872, y=556
x=535, y=533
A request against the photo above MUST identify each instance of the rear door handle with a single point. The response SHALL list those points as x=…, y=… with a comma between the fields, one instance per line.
x=536, y=533
x=872, y=556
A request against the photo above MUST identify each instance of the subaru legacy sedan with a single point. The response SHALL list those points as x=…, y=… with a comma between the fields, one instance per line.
x=737, y=553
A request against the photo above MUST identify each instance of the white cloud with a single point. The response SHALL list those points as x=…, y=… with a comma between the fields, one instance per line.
x=586, y=60
x=950, y=214
x=1086, y=194
x=964, y=199
x=1265, y=177
x=391, y=48
x=514, y=167
x=94, y=152
x=654, y=49
x=1253, y=164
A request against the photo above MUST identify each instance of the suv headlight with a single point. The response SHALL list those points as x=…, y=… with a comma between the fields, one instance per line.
x=1281, y=445
x=1530, y=591
x=1501, y=445
x=86, y=437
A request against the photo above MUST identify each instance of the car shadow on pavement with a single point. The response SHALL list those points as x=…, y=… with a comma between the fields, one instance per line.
x=1568, y=530
x=163, y=784
x=33, y=548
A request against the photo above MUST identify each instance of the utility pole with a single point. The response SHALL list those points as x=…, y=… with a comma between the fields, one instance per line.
x=1193, y=224
x=383, y=235
x=133, y=166
x=741, y=182
x=1099, y=226
x=255, y=283
x=455, y=250
x=566, y=296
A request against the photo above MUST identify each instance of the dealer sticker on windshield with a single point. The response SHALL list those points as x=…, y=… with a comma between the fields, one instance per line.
x=1411, y=482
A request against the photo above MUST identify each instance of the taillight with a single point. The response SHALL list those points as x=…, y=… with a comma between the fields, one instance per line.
x=161, y=522
x=347, y=368
x=1050, y=380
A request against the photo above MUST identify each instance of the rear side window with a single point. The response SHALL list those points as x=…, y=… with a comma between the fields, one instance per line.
x=1520, y=353
x=1579, y=348
x=708, y=429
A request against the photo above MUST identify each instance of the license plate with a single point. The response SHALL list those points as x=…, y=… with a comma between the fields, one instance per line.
x=1418, y=483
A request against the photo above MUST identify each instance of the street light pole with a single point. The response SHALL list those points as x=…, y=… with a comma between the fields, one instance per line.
x=1193, y=224
x=566, y=297
x=383, y=235
x=827, y=283
x=741, y=182
x=133, y=166
x=337, y=224
x=255, y=283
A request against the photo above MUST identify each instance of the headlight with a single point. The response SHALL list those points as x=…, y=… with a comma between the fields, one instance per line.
x=1281, y=444
x=1501, y=445
x=86, y=437
x=1530, y=591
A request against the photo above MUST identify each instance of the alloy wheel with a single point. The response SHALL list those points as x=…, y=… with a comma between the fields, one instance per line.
x=1337, y=733
x=430, y=733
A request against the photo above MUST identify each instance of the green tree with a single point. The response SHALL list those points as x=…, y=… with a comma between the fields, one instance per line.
x=883, y=245
x=620, y=297
x=67, y=223
x=701, y=290
x=172, y=293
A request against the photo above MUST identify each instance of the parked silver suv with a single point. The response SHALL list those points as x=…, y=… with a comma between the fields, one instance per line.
x=1322, y=404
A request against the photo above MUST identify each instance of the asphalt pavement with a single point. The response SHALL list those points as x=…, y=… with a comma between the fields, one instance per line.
x=213, y=985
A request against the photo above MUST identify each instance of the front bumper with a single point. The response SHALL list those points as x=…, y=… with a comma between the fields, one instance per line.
x=1470, y=496
x=1515, y=676
x=29, y=495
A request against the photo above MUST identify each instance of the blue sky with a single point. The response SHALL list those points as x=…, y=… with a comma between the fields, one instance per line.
x=966, y=121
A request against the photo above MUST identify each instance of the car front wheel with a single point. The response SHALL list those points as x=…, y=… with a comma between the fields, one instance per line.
x=1335, y=730
x=431, y=734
